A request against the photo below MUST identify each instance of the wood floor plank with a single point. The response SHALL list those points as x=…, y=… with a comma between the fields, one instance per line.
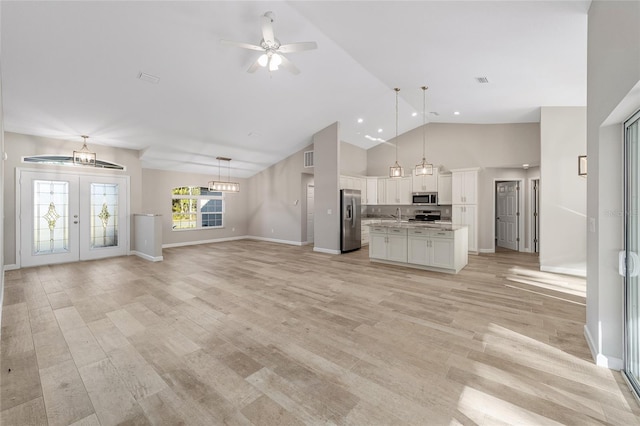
x=250, y=332
x=64, y=394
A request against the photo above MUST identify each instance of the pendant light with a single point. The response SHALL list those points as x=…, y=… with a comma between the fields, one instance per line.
x=424, y=168
x=84, y=157
x=396, y=171
x=224, y=186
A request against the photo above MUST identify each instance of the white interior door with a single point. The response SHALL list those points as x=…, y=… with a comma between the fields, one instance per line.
x=66, y=217
x=310, y=206
x=507, y=214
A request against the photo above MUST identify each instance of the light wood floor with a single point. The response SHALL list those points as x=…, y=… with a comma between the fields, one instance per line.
x=258, y=333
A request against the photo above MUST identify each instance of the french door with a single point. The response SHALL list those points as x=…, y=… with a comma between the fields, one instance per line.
x=631, y=268
x=66, y=217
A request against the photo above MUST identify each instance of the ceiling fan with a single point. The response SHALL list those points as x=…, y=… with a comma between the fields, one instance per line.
x=272, y=51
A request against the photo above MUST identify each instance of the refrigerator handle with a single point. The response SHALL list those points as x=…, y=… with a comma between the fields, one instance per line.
x=354, y=213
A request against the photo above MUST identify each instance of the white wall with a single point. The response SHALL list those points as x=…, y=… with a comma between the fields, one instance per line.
x=613, y=70
x=353, y=160
x=563, y=202
x=156, y=199
x=275, y=200
x=19, y=145
x=326, y=145
x=2, y=263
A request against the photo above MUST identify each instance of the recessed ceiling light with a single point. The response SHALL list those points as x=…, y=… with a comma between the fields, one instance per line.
x=360, y=120
x=148, y=78
x=413, y=114
x=456, y=113
x=379, y=130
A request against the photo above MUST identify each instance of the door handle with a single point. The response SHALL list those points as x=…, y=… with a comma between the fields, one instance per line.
x=633, y=263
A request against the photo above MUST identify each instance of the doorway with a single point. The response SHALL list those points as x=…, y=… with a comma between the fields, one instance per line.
x=535, y=215
x=631, y=269
x=508, y=215
x=310, y=206
x=65, y=217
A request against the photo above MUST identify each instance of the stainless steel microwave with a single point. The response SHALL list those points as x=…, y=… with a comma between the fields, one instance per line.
x=425, y=198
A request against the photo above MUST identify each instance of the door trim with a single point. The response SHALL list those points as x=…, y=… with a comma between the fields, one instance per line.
x=521, y=247
x=18, y=184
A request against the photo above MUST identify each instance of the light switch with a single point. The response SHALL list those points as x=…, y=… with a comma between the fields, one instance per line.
x=328, y=211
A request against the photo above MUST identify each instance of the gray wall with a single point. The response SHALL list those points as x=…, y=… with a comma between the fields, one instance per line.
x=19, y=145
x=156, y=199
x=353, y=160
x=492, y=147
x=275, y=200
x=327, y=196
x=563, y=203
x=613, y=70
x=2, y=166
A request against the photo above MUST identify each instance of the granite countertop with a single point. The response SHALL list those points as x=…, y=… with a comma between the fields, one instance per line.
x=414, y=225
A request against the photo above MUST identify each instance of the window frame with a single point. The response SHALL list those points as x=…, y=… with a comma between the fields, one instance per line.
x=200, y=201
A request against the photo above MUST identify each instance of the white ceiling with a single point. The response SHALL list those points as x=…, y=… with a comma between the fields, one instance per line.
x=70, y=68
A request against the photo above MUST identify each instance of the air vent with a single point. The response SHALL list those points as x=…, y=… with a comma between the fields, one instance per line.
x=308, y=159
x=434, y=113
x=482, y=80
x=148, y=78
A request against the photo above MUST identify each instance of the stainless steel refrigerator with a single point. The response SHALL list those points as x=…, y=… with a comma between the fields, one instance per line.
x=350, y=238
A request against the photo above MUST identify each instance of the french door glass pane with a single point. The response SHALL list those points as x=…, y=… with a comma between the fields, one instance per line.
x=104, y=215
x=50, y=217
x=632, y=242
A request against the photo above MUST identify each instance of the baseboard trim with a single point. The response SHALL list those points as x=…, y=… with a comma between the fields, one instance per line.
x=275, y=240
x=601, y=359
x=11, y=267
x=566, y=271
x=147, y=257
x=487, y=251
x=195, y=243
x=327, y=251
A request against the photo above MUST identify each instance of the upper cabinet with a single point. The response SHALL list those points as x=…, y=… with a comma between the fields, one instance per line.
x=371, y=194
x=445, y=195
x=397, y=191
x=428, y=183
x=464, y=187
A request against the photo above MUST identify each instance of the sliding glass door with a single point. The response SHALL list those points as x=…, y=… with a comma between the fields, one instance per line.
x=632, y=248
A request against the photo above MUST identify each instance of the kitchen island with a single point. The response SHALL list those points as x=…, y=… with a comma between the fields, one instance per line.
x=434, y=247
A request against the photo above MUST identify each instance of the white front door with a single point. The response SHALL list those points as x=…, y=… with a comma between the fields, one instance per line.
x=507, y=214
x=66, y=217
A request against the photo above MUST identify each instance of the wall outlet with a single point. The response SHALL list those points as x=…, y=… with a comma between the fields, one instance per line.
x=272, y=230
x=328, y=211
x=233, y=229
x=446, y=211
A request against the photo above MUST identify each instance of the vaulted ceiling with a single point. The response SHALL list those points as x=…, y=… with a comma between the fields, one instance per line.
x=72, y=68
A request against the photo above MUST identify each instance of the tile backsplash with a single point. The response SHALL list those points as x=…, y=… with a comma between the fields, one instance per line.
x=407, y=210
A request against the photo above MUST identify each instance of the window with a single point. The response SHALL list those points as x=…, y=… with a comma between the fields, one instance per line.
x=195, y=207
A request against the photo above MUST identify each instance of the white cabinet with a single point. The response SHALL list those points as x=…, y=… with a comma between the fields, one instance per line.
x=467, y=215
x=431, y=248
x=353, y=182
x=371, y=192
x=398, y=191
x=427, y=183
x=464, y=187
x=388, y=244
x=444, y=190
x=364, y=231
x=382, y=191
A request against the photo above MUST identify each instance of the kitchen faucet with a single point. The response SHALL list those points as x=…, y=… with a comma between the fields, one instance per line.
x=398, y=214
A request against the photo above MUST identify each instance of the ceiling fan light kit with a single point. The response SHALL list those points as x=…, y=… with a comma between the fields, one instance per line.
x=272, y=51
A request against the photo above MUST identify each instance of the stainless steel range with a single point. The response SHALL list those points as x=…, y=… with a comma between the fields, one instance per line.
x=426, y=216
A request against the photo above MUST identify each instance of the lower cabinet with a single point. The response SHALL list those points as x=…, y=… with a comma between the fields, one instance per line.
x=388, y=244
x=427, y=248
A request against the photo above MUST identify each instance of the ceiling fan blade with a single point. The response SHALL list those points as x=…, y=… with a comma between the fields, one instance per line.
x=253, y=67
x=242, y=45
x=267, y=28
x=288, y=65
x=298, y=47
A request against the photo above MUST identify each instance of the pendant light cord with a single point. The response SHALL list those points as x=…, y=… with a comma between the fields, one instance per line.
x=424, y=122
x=397, y=90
